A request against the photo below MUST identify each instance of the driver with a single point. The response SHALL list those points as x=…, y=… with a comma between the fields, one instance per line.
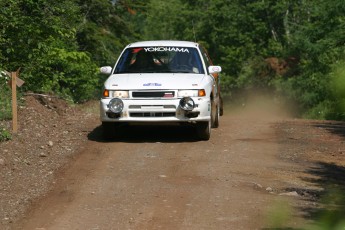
x=182, y=61
x=143, y=61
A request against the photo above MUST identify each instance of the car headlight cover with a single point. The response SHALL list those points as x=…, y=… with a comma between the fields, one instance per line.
x=191, y=93
x=121, y=94
x=188, y=93
x=116, y=93
x=187, y=104
x=115, y=105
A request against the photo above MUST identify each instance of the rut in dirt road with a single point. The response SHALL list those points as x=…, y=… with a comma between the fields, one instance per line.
x=162, y=178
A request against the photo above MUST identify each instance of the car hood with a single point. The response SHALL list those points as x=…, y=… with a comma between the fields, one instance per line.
x=156, y=81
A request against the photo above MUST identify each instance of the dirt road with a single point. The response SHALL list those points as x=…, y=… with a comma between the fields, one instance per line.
x=249, y=175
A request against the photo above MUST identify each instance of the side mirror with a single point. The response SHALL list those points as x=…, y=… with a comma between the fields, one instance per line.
x=214, y=69
x=106, y=69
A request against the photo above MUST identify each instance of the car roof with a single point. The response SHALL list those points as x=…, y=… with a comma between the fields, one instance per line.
x=164, y=43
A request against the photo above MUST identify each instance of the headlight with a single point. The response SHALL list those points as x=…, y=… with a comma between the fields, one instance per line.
x=115, y=105
x=121, y=94
x=191, y=93
x=187, y=104
x=188, y=93
x=116, y=93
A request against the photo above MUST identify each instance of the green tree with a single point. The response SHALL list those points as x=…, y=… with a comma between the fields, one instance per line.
x=103, y=31
x=161, y=19
x=317, y=41
x=235, y=31
x=40, y=35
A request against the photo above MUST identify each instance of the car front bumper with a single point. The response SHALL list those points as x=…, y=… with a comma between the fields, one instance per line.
x=167, y=110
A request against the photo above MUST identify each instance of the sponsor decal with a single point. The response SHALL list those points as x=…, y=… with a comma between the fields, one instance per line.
x=164, y=49
x=136, y=50
x=216, y=69
x=169, y=95
x=152, y=84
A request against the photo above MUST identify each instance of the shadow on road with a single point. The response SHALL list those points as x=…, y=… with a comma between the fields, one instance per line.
x=337, y=128
x=331, y=177
x=323, y=195
x=327, y=205
x=330, y=214
x=151, y=133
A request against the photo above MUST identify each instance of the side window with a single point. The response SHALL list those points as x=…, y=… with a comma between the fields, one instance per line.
x=208, y=62
x=206, y=58
x=124, y=61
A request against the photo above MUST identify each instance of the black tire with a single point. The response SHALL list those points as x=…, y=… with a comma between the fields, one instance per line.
x=214, y=115
x=110, y=130
x=221, y=109
x=204, y=130
x=215, y=120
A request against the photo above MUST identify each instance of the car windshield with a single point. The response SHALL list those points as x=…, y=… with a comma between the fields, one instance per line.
x=160, y=60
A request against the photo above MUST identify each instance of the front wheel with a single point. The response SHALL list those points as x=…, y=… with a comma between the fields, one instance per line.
x=221, y=108
x=204, y=130
x=215, y=118
x=215, y=114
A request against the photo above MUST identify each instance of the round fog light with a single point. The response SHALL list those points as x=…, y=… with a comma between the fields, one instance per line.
x=187, y=104
x=115, y=105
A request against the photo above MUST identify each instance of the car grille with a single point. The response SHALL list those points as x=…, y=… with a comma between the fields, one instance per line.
x=153, y=114
x=153, y=94
x=142, y=107
x=152, y=110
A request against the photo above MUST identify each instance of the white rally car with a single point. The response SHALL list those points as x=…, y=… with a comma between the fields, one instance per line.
x=166, y=82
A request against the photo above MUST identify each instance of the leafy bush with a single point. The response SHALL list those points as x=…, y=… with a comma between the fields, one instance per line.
x=40, y=37
x=5, y=135
x=70, y=74
x=5, y=96
x=338, y=91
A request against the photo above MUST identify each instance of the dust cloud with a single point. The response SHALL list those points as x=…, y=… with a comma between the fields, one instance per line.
x=259, y=106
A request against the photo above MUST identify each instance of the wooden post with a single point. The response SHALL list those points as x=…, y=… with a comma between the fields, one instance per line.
x=14, y=102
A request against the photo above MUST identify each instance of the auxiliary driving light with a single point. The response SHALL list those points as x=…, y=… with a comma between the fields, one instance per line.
x=187, y=104
x=115, y=105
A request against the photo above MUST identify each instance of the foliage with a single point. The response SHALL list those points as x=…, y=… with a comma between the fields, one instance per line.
x=318, y=42
x=60, y=44
x=338, y=91
x=5, y=135
x=333, y=216
x=278, y=214
x=5, y=97
x=161, y=19
x=71, y=74
x=33, y=30
x=102, y=32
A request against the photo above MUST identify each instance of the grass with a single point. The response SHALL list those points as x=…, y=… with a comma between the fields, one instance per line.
x=5, y=135
x=5, y=102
